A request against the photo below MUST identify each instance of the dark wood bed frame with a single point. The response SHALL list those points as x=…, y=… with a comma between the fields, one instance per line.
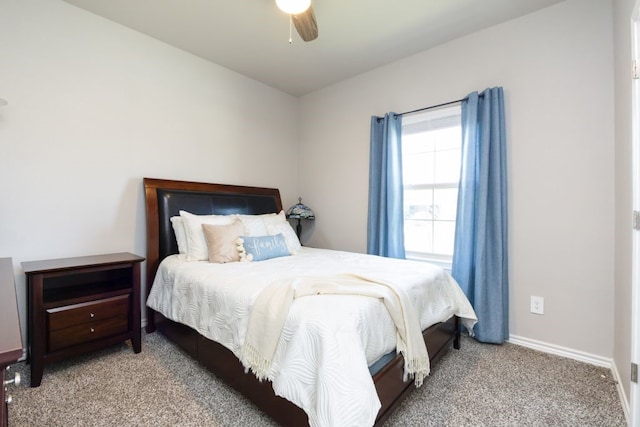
x=164, y=198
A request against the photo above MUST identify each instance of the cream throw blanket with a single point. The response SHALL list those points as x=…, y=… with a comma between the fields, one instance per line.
x=272, y=306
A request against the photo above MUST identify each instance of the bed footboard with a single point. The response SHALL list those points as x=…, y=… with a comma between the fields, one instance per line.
x=389, y=380
x=390, y=386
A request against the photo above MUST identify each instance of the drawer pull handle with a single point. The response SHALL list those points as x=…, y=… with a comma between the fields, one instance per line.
x=15, y=380
x=92, y=330
x=92, y=315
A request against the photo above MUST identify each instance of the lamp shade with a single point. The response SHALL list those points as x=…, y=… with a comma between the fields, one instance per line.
x=293, y=7
x=300, y=211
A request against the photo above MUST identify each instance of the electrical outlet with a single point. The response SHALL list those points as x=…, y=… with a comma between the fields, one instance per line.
x=537, y=305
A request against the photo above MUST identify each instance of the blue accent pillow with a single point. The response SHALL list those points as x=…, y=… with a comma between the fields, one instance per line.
x=265, y=247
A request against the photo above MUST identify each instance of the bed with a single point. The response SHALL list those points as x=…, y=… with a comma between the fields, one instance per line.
x=165, y=199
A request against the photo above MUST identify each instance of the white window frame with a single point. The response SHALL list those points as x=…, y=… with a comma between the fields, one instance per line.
x=436, y=119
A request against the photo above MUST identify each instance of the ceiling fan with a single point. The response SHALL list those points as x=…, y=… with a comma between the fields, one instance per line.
x=302, y=17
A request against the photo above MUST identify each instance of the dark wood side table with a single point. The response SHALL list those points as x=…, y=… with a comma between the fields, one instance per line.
x=10, y=339
x=81, y=304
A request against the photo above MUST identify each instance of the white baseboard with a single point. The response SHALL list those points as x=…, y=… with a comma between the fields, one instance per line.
x=624, y=400
x=581, y=357
x=562, y=351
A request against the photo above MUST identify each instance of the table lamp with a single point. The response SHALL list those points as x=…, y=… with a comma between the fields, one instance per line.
x=299, y=211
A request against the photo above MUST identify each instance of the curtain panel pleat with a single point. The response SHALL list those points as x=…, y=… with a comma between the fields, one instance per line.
x=480, y=263
x=385, y=225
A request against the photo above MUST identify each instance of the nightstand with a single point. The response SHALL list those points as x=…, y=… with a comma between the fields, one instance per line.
x=81, y=304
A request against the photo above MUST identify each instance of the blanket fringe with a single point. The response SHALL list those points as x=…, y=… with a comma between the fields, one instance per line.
x=417, y=368
x=256, y=362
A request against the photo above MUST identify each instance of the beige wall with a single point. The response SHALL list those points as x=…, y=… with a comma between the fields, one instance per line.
x=556, y=69
x=623, y=191
x=94, y=107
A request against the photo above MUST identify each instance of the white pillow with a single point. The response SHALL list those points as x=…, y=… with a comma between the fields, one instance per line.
x=256, y=225
x=290, y=236
x=274, y=219
x=197, y=249
x=181, y=237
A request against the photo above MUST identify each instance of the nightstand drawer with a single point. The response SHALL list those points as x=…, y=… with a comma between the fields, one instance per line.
x=85, y=332
x=77, y=314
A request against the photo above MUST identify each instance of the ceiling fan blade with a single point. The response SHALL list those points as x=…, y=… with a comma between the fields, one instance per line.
x=306, y=24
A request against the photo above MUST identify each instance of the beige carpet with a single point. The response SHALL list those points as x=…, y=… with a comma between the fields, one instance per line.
x=479, y=385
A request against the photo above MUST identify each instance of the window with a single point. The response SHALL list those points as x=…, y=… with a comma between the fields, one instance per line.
x=431, y=157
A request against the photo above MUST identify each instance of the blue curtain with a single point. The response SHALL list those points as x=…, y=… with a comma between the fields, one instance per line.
x=480, y=252
x=385, y=226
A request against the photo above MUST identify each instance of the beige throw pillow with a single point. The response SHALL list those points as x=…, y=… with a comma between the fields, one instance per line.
x=221, y=241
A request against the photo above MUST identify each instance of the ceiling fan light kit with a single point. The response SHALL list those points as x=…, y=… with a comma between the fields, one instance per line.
x=306, y=25
x=301, y=15
x=293, y=7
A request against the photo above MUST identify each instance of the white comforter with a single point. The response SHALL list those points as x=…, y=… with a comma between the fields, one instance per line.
x=328, y=341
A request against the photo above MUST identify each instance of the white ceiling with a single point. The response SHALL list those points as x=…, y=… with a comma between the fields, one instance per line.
x=251, y=36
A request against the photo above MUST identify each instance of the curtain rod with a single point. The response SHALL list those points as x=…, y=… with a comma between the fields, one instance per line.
x=432, y=107
x=426, y=108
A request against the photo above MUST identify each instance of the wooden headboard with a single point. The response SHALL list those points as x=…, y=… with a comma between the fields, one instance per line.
x=166, y=198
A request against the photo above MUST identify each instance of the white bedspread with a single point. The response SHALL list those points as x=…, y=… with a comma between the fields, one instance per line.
x=328, y=341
